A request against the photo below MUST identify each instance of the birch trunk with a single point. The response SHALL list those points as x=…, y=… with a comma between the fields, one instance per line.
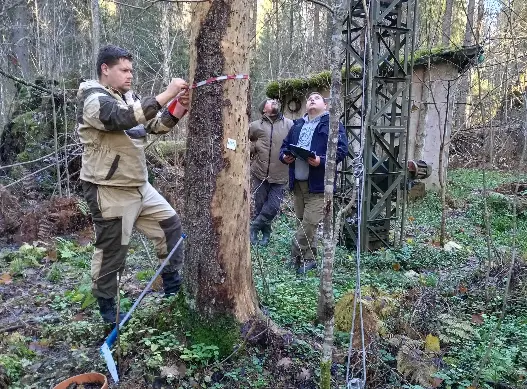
x=326, y=302
x=166, y=20
x=20, y=38
x=96, y=38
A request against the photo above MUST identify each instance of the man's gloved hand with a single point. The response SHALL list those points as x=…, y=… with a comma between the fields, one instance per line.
x=179, y=106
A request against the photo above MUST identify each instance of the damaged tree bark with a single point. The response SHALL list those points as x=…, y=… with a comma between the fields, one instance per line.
x=218, y=273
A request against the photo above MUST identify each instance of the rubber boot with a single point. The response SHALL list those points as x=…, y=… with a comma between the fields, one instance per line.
x=306, y=266
x=266, y=235
x=171, y=283
x=254, y=234
x=108, y=310
x=295, y=262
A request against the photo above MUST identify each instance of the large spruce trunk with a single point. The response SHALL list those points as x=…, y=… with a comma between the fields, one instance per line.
x=218, y=273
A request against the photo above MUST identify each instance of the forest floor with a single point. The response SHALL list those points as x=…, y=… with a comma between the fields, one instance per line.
x=429, y=312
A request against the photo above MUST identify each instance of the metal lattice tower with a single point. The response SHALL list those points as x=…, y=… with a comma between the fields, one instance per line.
x=384, y=157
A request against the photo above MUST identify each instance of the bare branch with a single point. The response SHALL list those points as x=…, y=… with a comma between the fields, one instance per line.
x=152, y=3
x=176, y=1
x=24, y=82
x=27, y=162
x=322, y=4
x=127, y=5
x=11, y=7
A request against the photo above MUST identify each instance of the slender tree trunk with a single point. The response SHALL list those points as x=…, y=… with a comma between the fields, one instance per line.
x=423, y=111
x=461, y=109
x=291, y=28
x=66, y=162
x=524, y=131
x=164, y=34
x=327, y=52
x=56, y=138
x=479, y=21
x=317, y=53
x=442, y=171
x=218, y=274
x=470, y=28
x=253, y=17
x=447, y=23
x=38, y=43
x=96, y=40
x=20, y=39
x=278, y=38
x=52, y=69
x=326, y=302
x=3, y=88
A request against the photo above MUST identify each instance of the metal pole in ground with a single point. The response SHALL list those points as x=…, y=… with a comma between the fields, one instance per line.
x=117, y=317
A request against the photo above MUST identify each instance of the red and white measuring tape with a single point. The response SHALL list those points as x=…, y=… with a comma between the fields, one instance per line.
x=174, y=108
x=220, y=78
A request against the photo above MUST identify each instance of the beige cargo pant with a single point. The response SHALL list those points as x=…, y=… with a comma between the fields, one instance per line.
x=115, y=212
x=309, y=211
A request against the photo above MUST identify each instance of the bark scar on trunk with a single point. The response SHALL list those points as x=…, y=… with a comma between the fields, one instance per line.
x=204, y=163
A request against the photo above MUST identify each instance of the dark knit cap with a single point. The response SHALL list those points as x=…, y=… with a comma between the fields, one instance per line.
x=262, y=105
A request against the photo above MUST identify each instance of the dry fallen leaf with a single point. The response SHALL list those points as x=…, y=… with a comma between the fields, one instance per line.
x=38, y=347
x=284, y=362
x=52, y=255
x=85, y=236
x=170, y=371
x=79, y=317
x=5, y=278
x=304, y=375
x=432, y=343
x=477, y=319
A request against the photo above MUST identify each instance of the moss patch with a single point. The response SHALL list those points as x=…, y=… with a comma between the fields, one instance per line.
x=223, y=331
x=325, y=375
x=175, y=315
x=343, y=318
x=297, y=87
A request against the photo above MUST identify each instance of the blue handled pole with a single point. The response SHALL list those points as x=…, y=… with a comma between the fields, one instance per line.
x=110, y=340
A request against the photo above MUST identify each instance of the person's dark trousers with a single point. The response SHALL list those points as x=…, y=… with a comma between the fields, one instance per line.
x=267, y=200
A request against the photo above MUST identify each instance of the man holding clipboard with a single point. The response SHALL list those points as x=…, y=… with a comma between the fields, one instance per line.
x=304, y=150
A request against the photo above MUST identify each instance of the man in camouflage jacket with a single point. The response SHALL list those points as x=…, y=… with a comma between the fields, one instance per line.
x=112, y=124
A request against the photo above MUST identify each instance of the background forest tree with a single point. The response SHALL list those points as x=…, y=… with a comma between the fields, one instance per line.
x=55, y=40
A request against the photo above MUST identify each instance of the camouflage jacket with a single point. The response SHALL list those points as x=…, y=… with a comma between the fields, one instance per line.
x=112, y=128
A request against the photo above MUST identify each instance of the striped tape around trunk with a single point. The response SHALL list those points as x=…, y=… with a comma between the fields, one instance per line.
x=220, y=78
x=172, y=105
